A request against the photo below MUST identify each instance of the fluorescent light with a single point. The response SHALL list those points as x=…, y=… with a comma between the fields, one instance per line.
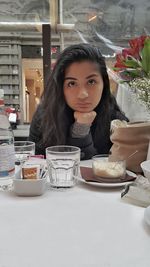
x=92, y=18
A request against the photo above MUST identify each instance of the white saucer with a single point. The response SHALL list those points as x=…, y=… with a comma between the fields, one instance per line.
x=147, y=215
x=88, y=163
x=101, y=184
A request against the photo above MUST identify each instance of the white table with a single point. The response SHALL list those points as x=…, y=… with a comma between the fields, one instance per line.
x=134, y=110
x=83, y=226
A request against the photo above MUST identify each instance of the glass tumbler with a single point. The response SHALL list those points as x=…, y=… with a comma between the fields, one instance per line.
x=23, y=149
x=63, y=164
x=7, y=159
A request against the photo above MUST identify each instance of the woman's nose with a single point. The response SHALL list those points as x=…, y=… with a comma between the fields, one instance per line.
x=82, y=93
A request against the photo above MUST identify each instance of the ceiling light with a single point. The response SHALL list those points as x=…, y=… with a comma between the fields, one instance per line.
x=92, y=18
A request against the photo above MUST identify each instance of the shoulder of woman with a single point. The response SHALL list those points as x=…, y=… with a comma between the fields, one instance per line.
x=38, y=112
x=37, y=118
x=116, y=113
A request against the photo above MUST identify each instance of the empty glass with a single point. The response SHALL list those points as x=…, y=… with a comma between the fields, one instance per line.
x=63, y=165
x=23, y=149
x=7, y=159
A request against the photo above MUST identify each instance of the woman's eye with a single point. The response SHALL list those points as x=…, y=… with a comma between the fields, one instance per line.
x=91, y=82
x=71, y=84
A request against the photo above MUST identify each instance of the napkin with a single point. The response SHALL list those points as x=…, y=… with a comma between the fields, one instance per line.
x=88, y=175
x=138, y=192
x=126, y=139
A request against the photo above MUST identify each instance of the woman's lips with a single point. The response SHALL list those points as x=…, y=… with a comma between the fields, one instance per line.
x=83, y=105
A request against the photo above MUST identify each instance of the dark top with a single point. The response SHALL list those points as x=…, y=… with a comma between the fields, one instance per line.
x=90, y=145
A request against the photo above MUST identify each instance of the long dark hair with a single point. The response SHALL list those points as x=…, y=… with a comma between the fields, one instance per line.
x=57, y=117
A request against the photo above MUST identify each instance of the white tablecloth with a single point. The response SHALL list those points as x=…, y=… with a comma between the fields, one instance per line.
x=134, y=110
x=83, y=226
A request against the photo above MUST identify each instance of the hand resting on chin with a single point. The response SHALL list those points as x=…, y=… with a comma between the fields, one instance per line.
x=84, y=118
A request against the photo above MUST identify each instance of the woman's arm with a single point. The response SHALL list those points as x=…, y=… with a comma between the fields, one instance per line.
x=85, y=143
x=80, y=134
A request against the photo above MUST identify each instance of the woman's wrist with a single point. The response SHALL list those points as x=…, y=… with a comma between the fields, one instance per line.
x=80, y=130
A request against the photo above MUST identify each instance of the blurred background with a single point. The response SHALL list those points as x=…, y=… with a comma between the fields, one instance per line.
x=33, y=32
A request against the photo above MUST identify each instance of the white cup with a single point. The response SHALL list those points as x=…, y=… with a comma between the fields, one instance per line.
x=63, y=164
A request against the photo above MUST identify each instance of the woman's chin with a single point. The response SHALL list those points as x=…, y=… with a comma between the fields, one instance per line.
x=83, y=109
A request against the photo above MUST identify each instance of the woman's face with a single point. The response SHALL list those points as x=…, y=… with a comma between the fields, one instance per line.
x=83, y=86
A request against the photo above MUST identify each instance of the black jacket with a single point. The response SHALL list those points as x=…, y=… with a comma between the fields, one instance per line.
x=90, y=145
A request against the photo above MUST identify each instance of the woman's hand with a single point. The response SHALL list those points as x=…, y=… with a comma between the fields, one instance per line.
x=85, y=118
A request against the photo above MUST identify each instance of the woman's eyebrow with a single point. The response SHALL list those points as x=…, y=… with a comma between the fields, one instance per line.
x=91, y=76
x=70, y=78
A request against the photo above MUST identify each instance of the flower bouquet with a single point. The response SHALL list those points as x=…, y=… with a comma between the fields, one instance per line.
x=133, y=66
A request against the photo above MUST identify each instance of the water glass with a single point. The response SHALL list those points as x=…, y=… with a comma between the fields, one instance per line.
x=63, y=164
x=7, y=159
x=23, y=149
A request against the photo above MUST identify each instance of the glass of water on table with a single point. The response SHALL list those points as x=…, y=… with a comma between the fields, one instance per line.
x=63, y=164
x=23, y=150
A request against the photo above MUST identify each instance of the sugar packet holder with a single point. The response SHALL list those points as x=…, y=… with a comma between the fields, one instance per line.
x=30, y=171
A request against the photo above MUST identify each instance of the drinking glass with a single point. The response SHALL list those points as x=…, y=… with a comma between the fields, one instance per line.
x=7, y=159
x=105, y=167
x=23, y=149
x=63, y=165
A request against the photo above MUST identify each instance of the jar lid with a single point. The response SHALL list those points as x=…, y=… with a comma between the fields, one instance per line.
x=1, y=102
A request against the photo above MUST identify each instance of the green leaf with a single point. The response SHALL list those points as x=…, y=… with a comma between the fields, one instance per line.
x=134, y=73
x=116, y=69
x=132, y=63
x=146, y=56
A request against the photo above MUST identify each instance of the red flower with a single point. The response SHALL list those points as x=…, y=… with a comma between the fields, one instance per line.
x=134, y=61
x=129, y=52
x=120, y=61
x=137, y=45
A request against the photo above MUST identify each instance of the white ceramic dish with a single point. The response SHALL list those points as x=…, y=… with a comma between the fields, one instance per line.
x=147, y=215
x=145, y=165
x=27, y=187
x=101, y=184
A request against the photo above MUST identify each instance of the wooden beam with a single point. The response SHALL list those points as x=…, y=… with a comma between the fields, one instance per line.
x=46, y=41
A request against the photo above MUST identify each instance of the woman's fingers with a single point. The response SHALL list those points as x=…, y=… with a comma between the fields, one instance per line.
x=85, y=118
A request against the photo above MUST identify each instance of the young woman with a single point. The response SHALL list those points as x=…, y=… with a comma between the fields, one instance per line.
x=77, y=106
